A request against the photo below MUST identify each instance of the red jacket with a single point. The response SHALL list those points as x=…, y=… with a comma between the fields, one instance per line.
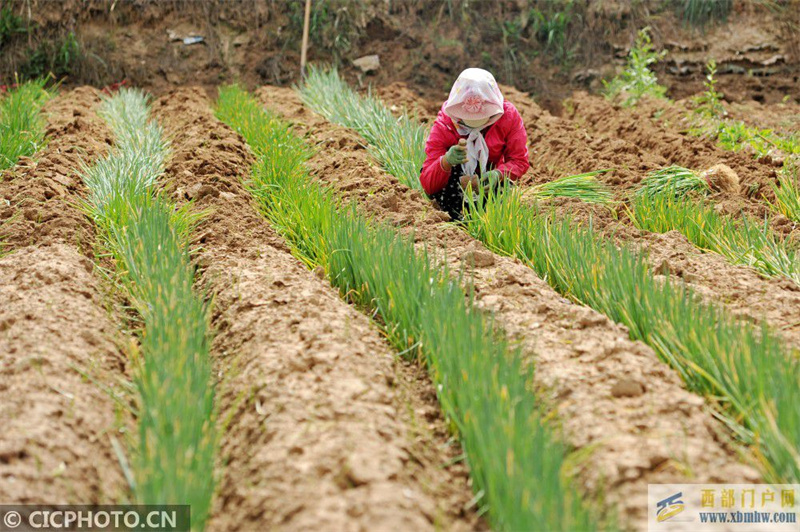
x=506, y=139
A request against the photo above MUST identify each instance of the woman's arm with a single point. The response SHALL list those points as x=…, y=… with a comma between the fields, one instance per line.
x=516, y=151
x=435, y=170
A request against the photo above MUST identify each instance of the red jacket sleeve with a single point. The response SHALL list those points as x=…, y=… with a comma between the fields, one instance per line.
x=441, y=138
x=516, y=153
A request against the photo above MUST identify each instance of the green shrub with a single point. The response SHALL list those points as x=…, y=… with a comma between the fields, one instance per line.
x=10, y=25
x=708, y=104
x=58, y=58
x=637, y=79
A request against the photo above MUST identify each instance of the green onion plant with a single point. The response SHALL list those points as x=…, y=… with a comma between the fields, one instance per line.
x=516, y=463
x=148, y=238
x=584, y=187
x=673, y=180
x=398, y=143
x=22, y=126
x=744, y=370
x=741, y=240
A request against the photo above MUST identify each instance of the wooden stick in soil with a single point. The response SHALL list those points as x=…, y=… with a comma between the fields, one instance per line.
x=304, y=49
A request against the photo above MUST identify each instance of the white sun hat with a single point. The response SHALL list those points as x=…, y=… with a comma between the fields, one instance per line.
x=474, y=96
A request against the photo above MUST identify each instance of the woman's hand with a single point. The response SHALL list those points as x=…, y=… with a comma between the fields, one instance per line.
x=492, y=176
x=456, y=154
x=470, y=182
x=490, y=180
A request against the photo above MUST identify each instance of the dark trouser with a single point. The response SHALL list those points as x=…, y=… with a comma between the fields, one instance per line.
x=451, y=198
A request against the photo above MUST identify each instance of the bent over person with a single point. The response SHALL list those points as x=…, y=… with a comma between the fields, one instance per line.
x=478, y=141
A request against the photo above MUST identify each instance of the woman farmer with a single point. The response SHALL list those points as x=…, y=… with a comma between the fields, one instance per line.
x=477, y=141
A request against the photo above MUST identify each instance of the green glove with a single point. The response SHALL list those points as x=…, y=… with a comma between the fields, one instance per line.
x=491, y=177
x=456, y=155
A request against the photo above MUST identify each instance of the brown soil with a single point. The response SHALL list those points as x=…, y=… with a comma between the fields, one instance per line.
x=657, y=433
x=59, y=349
x=324, y=428
x=40, y=194
x=57, y=424
x=743, y=291
x=559, y=147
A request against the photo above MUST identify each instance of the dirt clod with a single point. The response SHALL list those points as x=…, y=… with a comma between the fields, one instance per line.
x=627, y=388
x=722, y=177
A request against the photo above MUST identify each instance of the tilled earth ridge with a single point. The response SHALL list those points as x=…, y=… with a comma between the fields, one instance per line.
x=33, y=194
x=741, y=289
x=613, y=395
x=57, y=424
x=647, y=129
x=323, y=428
x=59, y=348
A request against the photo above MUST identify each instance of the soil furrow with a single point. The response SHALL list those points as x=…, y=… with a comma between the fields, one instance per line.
x=39, y=194
x=323, y=428
x=614, y=398
x=59, y=347
x=741, y=289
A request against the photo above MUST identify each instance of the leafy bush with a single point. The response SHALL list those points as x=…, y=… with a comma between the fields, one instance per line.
x=708, y=104
x=637, y=79
x=10, y=24
x=52, y=57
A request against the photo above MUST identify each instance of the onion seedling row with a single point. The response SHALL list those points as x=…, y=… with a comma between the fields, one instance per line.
x=742, y=240
x=22, y=125
x=147, y=237
x=481, y=382
x=742, y=369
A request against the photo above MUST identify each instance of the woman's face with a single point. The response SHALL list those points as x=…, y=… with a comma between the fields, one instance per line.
x=476, y=123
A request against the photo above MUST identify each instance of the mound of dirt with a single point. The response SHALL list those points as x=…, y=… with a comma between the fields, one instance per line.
x=560, y=147
x=57, y=342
